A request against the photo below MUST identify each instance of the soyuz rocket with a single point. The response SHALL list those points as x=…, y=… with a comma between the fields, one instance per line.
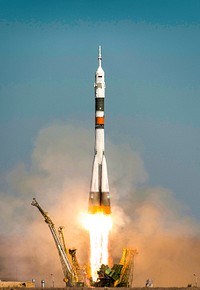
x=99, y=197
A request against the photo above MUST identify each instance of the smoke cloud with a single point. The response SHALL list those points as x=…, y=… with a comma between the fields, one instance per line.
x=58, y=175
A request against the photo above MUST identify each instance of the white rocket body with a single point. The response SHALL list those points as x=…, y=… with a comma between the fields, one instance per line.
x=99, y=198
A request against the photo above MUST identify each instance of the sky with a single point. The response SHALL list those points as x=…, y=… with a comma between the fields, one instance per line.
x=151, y=58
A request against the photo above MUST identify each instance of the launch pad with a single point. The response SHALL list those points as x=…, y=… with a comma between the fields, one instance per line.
x=120, y=275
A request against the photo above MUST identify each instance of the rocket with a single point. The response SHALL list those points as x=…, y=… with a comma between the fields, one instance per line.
x=99, y=197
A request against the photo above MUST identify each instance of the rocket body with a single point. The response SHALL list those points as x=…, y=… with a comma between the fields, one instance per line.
x=99, y=197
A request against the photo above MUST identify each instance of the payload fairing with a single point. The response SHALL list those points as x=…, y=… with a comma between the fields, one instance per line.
x=99, y=197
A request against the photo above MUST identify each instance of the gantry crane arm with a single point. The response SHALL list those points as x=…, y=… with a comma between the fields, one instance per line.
x=127, y=262
x=66, y=265
x=46, y=217
x=71, y=254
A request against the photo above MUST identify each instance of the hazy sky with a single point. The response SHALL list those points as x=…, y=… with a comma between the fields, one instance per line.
x=151, y=57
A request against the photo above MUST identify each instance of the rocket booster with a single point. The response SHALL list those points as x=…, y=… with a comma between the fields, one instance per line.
x=99, y=197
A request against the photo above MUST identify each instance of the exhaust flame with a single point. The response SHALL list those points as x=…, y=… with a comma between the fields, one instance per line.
x=98, y=226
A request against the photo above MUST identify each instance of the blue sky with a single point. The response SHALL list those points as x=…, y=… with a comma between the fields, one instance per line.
x=151, y=56
x=160, y=12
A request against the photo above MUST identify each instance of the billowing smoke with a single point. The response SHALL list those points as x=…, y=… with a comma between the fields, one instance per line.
x=58, y=175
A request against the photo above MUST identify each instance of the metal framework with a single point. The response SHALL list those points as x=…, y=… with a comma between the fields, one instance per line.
x=67, y=256
x=127, y=261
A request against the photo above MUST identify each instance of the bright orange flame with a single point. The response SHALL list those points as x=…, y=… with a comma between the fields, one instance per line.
x=99, y=226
